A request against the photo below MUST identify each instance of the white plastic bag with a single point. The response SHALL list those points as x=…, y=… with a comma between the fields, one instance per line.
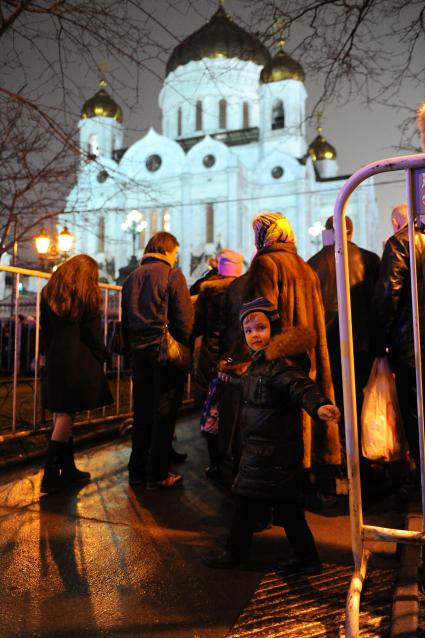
x=381, y=425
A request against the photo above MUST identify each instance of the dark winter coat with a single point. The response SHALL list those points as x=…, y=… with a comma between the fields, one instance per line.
x=274, y=390
x=143, y=303
x=363, y=272
x=231, y=340
x=281, y=276
x=207, y=318
x=392, y=301
x=74, y=379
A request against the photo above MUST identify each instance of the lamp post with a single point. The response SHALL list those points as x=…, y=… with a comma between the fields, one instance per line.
x=51, y=251
x=134, y=224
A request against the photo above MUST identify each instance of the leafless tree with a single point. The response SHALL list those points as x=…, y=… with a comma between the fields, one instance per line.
x=43, y=42
x=368, y=49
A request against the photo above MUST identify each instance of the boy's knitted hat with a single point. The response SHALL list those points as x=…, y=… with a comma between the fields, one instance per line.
x=261, y=304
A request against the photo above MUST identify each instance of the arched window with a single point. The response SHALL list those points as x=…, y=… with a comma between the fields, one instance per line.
x=166, y=219
x=209, y=235
x=142, y=234
x=93, y=147
x=198, y=123
x=245, y=115
x=278, y=115
x=154, y=221
x=101, y=235
x=179, y=121
x=222, y=114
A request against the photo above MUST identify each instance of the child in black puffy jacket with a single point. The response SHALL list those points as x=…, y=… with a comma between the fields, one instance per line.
x=274, y=389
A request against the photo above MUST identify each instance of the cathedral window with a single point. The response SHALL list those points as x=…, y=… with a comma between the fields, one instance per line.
x=278, y=115
x=93, y=147
x=142, y=234
x=154, y=221
x=166, y=219
x=222, y=114
x=277, y=172
x=153, y=163
x=198, y=123
x=179, y=121
x=209, y=235
x=208, y=160
x=101, y=235
x=245, y=115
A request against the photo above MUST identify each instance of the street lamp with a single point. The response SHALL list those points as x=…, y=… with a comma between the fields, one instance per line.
x=134, y=224
x=53, y=251
x=65, y=241
x=42, y=243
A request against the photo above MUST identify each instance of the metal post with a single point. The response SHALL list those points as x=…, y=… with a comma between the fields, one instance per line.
x=15, y=353
x=118, y=386
x=36, y=354
x=410, y=186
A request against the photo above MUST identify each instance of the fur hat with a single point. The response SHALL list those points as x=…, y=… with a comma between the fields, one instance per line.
x=230, y=263
x=261, y=304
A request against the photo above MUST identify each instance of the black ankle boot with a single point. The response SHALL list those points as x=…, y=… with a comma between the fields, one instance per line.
x=70, y=473
x=52, y=480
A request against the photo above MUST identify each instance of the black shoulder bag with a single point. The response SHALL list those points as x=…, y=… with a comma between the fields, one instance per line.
x=171, y=351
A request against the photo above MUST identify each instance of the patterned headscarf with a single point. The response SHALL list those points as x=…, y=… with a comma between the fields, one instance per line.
x=270, y=228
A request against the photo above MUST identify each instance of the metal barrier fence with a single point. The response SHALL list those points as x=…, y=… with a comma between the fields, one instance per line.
x=21, y=364
x=414, y=165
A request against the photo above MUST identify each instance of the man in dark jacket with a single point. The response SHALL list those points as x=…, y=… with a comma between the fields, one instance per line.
x=156, y=388
x=393, y=322
x=363, y=272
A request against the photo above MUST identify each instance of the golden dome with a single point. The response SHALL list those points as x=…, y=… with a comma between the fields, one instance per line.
x=219, y=38
x=281, y=67
x=320, y=149
x=101, y=104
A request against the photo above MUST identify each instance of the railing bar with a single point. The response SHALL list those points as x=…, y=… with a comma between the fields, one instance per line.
x=410, y=187
x=118, y=360
x=389, y=534
x=105, y=330
x=36, y=354
x=15, y=353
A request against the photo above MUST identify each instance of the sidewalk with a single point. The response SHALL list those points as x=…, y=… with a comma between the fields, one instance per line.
x=127, y=562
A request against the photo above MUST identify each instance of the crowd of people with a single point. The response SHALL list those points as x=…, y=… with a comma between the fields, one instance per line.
x=266, y=366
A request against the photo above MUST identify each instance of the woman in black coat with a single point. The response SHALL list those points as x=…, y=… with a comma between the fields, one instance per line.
x=73, y=343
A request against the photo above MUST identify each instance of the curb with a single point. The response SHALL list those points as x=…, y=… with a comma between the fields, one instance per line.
x=405, y=611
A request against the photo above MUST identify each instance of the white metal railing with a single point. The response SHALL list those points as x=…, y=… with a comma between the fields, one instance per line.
x=107, y=290
x=414, y=166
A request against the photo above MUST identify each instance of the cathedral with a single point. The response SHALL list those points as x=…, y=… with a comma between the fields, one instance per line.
x=232, y=144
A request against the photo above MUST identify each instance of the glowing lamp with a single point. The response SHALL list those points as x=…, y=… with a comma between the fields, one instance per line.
x=65, y=240
x=42, y=242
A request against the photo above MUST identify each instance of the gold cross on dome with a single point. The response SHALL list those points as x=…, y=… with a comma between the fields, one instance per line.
x=103, y=67
x=319, y=116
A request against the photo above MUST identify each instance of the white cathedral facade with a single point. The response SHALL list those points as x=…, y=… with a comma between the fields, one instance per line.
x=232, y=144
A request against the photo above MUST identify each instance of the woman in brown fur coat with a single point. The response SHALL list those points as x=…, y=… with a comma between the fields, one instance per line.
x=281, y=276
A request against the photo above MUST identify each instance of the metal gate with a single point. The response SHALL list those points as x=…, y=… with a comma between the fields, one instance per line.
x=414, y=167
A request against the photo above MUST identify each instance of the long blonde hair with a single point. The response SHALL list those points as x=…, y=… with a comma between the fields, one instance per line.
x=74, y=287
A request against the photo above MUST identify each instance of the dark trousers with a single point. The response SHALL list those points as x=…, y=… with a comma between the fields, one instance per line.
x=405, y=380
x=290, y=515
x=157, y=393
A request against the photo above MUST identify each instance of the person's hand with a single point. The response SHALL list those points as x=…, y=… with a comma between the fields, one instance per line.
x=224, y=377
x=328, y=413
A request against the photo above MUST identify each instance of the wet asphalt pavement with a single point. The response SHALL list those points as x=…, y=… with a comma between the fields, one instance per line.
x=108, y=560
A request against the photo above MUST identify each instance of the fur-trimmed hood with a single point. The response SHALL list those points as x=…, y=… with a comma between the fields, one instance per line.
x=216, y=285
x=293, y=341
